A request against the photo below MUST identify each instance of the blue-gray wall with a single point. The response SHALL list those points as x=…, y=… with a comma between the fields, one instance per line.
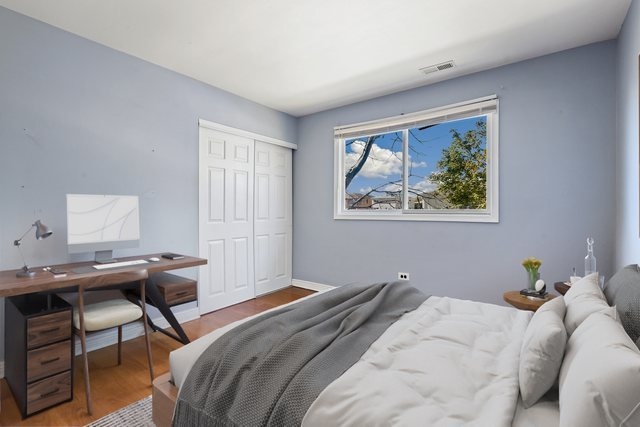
x=557, y=155
x=78, y=117
x=628, y=215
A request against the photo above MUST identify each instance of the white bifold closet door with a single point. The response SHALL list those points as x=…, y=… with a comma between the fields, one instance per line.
x=272, y=217
x=226, y=220
x=244, y=217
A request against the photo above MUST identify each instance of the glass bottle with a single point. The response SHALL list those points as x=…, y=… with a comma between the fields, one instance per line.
x=590, y=259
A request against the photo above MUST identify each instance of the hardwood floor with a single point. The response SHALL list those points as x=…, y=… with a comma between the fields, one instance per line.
x=113, y=387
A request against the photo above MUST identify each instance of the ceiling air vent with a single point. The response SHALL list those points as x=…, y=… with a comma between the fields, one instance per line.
x=438, y=67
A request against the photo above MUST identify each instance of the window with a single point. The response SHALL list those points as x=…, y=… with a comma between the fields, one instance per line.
x=435, y=165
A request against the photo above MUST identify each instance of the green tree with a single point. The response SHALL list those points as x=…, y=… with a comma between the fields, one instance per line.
x=462, y=169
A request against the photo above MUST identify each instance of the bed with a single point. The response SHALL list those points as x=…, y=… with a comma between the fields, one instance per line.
x=451, y=362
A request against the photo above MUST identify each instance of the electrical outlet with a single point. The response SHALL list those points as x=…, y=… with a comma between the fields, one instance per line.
x=403, y=276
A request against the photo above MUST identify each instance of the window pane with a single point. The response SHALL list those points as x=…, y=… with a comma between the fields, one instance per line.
x=373, y=172
x=448, y=163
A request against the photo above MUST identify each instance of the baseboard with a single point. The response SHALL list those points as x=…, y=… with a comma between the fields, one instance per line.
x=313, y=286
x=181, y=317
x=1, y=368
x=260, y=293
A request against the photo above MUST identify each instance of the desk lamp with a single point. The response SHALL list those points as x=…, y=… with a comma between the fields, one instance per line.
x=42, y=232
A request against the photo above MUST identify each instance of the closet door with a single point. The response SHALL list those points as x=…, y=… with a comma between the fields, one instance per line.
x=226, y=209
x=272, y=217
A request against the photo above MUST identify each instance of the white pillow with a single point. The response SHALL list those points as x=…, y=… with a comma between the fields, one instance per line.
x=582, y=299
x=599, y=377
x=586, y=285
x=542, y=351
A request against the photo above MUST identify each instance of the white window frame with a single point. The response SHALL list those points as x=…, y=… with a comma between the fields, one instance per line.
x=486, y=106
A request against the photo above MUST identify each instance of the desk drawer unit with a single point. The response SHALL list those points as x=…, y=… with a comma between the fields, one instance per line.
x=45, y=393
x=48, y=328
x=48, y=360
x=175, y=289
x=39, y=351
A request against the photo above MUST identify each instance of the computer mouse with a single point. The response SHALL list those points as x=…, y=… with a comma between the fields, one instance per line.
x=154, y=259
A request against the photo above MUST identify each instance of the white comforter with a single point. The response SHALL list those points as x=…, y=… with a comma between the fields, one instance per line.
x=450, y=362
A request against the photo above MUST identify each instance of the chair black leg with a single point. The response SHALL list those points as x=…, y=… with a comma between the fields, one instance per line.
x=119, y=345
x=146, y=331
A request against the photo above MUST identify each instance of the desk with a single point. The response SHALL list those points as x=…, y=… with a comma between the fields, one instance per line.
x=43, y=281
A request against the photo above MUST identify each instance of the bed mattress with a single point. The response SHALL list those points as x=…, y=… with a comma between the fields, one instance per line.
x=450, y=362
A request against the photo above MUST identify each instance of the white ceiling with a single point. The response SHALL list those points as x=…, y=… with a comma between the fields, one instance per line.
x=304, y=56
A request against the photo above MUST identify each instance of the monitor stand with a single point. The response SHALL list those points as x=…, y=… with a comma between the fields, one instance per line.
x=105, y=257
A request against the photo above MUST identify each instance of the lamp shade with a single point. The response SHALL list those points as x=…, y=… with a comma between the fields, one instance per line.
x=42, y=231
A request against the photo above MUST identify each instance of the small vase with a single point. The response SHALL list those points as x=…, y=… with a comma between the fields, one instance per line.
x=532, y=278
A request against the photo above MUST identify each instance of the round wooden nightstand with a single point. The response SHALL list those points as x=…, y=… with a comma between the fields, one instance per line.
x=523, y=303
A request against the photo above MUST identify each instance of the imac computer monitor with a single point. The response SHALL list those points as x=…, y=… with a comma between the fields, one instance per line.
x=102, y=223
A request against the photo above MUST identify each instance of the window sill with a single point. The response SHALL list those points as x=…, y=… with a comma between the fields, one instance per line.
x=415, y=216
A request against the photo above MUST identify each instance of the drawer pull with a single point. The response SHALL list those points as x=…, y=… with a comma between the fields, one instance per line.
x=48, y=331
x=45, y=362
x=50, y=393
x=179, y=294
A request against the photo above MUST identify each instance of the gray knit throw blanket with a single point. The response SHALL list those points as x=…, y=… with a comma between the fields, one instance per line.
x=268, y=371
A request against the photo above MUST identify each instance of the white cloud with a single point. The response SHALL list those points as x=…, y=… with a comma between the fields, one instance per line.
x=425, y=186
x=417, y=164
x=381, y=163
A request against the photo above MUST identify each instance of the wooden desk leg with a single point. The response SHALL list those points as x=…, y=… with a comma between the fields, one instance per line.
x=156, y=299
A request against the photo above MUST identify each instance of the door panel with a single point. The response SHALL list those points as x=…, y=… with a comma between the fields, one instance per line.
x=226, y=219
x=262, y=259
x=216, y=148
x=216, y=267
x=272, y=223
x=280, y=199
x=216, y=195
x=241, y=262
x=240, y=195
x=262, y=197
x=281, y=254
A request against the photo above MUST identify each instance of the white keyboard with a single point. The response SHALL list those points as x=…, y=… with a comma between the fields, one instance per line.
x=120, y=264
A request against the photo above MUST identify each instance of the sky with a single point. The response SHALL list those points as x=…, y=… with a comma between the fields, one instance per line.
x=384, y=164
